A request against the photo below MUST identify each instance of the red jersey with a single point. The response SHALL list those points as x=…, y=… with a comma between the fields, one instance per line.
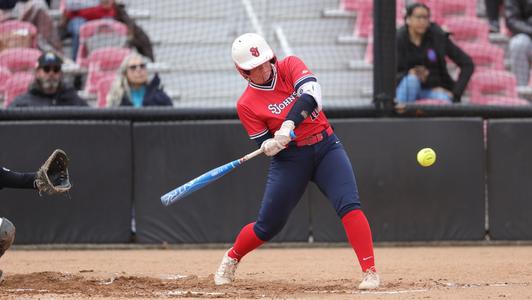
x=263, y=109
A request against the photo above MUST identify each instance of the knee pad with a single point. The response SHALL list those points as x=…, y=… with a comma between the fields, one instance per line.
x=7, y=235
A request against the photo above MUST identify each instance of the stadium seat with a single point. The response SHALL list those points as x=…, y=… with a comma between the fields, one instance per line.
x=443, y=9
x=485, y=56
x=19, y=59
x=110, y=33
x=16, y=85
x=101, y=62
x=493, y=86
x=350, y=5
x=5, y=74
x=432, y=102
x=364, y=20
x=104, y=85
x=467, y=29
x=18, y=34
x=502, y=100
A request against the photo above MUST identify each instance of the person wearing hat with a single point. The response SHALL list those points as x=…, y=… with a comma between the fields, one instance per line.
x=48, y=89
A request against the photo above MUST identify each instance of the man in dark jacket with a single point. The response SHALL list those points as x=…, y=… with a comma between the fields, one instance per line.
x=48, y=88
x=519, y=22
x=422, y=47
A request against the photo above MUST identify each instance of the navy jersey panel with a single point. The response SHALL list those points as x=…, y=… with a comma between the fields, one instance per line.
x=326, y=163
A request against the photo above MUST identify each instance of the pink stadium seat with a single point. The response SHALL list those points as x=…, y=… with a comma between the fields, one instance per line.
x=490, y=85
x=442, y=9
x=5, y=74
x=502, y=100
x=467, y=29
x=350, y=5
x=21, y=30
x=104, y=85
x=364, y=20
x=16, y=85
x=368, y=57
x=91, y=28
x=101, y=62
x=19, y=59
x=432, y=102
x=485, y=56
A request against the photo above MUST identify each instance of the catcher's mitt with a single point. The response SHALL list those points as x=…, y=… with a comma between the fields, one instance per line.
x=52, y=177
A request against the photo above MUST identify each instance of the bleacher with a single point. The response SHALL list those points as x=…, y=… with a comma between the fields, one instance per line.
x=192, y=41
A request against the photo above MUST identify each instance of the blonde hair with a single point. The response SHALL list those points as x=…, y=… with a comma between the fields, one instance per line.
x=120, y=85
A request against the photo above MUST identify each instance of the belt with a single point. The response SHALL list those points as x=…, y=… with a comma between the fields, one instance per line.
x=313, y=139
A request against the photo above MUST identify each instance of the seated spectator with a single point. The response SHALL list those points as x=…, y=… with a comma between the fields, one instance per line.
x=78, y=12
x=48, y=88
x=422, y=48
x=36, y=13
x=519, y=22
x=131, y=86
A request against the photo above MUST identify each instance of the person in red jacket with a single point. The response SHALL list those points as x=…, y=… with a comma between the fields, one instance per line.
x=79, y=12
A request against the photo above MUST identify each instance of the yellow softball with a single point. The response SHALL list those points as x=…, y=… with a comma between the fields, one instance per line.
x=426, y=157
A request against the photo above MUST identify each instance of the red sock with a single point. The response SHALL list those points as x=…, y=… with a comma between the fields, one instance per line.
x=246, y=241
x=359, y=235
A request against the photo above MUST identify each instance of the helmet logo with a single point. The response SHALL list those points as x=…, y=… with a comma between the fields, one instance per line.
x=254, y=51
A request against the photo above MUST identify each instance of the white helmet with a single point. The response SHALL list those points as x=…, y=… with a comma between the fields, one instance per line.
x=250, y=50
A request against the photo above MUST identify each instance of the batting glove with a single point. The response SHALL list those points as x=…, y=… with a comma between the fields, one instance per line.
x=270, y=147
x=283, y=134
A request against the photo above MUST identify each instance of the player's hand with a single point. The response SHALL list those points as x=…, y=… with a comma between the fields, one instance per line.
x=270, y=147
x=283, y=134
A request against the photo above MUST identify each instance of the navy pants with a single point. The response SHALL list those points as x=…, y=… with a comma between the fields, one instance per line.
x=325, y=163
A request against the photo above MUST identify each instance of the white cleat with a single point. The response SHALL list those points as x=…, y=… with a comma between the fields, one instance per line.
x=370, y=281
x=226, y=270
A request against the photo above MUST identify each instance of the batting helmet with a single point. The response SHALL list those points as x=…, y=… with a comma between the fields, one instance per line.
x=251, y=50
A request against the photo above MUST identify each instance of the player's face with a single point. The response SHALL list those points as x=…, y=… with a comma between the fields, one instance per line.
x=261, y=74
x=419, y=21
x=137, y=74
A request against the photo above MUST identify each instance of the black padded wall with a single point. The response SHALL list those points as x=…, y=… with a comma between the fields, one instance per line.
x=510, y=173
x=170, y=154
x=100, y=168
x=402, y=200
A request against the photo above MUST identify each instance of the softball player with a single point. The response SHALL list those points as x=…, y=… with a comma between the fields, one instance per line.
x=281, y=97
x=13, y=180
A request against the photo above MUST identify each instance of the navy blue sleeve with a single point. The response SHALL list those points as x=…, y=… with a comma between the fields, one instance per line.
x=12, y=179
x=301, y=109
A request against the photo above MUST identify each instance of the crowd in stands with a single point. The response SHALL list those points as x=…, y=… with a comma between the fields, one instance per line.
x=105, y=41
x=444, y=51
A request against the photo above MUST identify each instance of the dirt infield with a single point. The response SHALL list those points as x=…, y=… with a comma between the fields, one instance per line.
x=483, y=272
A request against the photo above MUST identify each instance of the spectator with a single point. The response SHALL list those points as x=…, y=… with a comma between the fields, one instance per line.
x=519, y=22
x=422, y=47
x=36, y=13
x=137, y=39
x=47, y=89
x=492, y=10
x=78, y=12
x=131, y=86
